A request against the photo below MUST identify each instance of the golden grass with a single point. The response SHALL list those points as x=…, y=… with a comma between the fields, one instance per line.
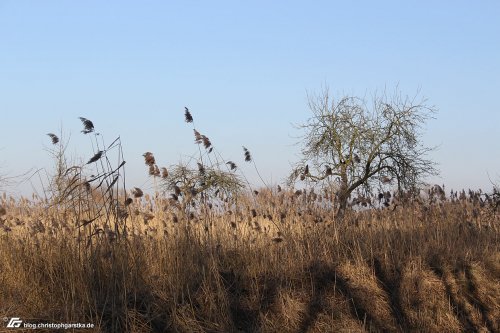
x=418, y=268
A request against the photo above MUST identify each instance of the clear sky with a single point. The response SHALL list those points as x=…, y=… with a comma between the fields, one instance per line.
x=243, y=68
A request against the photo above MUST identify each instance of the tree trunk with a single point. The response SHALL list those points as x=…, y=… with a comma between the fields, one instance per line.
x=343, y=194
x=342, y=206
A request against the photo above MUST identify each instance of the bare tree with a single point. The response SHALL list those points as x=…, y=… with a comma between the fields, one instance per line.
x=360, y=146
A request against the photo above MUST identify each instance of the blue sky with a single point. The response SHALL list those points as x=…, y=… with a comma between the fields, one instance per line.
x=243, y=68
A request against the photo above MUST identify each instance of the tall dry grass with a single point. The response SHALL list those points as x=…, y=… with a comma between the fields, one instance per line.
x=422, y=268
x=207, y=253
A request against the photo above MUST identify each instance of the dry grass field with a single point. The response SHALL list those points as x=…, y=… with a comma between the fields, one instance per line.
x=208, y=253
x=268, y=261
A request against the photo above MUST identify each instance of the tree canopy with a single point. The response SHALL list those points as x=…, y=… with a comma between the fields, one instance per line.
x=364, y=144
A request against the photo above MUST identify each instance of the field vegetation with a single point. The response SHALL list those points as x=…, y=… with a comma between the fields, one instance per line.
x=206, y=251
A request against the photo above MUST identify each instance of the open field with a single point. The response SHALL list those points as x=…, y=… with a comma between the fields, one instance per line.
x=275, y=262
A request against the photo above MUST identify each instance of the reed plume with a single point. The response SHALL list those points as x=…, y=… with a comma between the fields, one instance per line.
x=232, y=165
x=54, y=138
x=86, y=186
x=197, y=137
x=187, y=115
x=248, y=157
x=164, y=173
x=96, y=157
x=137, y=192
x=206, y=142
x=88, y=126
x=154, y=170
x=201, y=168
x=149, y=158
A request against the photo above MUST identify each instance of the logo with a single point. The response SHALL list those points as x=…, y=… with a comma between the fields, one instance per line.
x=14, y=323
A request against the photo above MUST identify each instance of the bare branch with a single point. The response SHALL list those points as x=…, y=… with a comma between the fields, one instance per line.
x=359, y=144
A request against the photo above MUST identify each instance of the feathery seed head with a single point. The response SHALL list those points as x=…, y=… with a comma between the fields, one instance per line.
x=96, y=157
x=88, y=126
x=149, y=158
x=232, y=165
x=154, y=170
x=197, y=137
x=201, y=168
x=206, y=142
x=137, y=192
x=248, y=157
x=164, y=173
x=54, y=138
x=187, y=115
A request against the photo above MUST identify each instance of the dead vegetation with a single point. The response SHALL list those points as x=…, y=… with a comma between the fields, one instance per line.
x=205, y=253
x=378, y=270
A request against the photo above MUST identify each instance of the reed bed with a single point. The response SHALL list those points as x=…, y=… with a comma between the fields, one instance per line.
x=278, y=263
x=204, y=251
